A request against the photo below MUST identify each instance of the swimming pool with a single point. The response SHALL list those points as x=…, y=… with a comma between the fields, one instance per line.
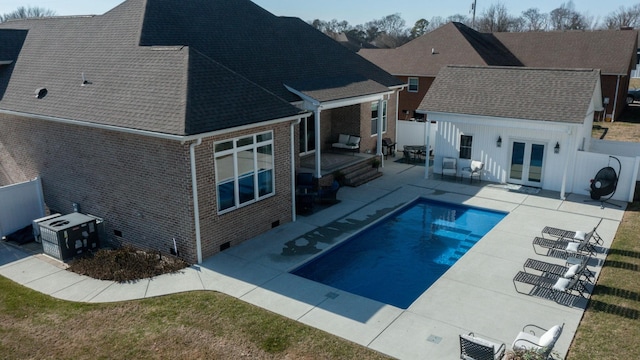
x=400, y=257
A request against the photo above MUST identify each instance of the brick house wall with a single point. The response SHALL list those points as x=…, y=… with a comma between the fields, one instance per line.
x=410, y=101
x=139, y=185
x=244, y=223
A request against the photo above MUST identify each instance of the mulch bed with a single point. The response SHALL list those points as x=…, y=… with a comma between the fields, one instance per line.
x=126, y=264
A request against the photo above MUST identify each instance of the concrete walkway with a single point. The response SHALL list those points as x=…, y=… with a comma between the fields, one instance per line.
x=476, y=295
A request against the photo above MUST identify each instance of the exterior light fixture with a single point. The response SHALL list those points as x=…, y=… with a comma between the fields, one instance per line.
x=556, y=149
x=499, y=142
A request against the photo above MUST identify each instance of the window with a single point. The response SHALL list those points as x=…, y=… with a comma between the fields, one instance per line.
x=413, y=84
x=465, y=146
x=374, y=117
x=244, y=170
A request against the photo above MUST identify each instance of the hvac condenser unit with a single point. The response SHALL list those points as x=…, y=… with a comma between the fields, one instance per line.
x=35, y=225
x=67, y=236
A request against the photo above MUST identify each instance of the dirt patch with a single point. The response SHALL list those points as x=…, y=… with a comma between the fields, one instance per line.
x=125, y=264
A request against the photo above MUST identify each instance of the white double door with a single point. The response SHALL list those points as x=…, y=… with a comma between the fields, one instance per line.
x=526, y=165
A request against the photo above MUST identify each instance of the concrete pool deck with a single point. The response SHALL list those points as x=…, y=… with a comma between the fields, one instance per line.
x=476, y=295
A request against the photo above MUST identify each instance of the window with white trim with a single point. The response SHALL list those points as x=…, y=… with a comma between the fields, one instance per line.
x=374, y=117
x=465, y=146
x=413, y=84
x=244, y=170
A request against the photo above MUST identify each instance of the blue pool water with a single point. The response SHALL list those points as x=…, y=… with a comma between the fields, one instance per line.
x=399, y=258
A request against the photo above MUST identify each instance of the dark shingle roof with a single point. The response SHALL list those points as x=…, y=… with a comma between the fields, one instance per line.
x=453, y=43
x=172, y=66
x=513, y=92
x=611, y=51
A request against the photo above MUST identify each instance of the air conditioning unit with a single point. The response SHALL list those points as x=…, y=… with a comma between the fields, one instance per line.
x=36, y=227
x=67, y=236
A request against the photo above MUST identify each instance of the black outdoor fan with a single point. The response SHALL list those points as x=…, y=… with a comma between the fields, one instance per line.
x=605, y=182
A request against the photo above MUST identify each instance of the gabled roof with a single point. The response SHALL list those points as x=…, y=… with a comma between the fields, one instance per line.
x=611, y=51
x=172, y=66
x=514, y=92
x=453, y=43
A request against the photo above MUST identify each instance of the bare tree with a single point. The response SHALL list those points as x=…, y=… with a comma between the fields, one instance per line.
x=334, y=26
x=534, y=20
x=623, y=17
x=495, y=19
x=567, y=18
x=26, y=13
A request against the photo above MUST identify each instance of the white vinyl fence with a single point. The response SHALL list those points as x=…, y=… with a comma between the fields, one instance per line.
x=20, y=204
x=415, y=133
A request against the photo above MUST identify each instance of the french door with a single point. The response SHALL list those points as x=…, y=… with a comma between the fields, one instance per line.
x=307, y=136
x=526, y=163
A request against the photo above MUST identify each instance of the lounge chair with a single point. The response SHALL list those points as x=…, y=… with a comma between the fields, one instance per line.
x=474, y=169
x=551, y=286
x=543, y=344
x=580, y=269
x=476, y=348
x=449, y=167
x=575, y=235
x=568, y=246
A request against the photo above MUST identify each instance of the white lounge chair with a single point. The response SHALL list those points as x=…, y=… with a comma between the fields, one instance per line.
x=542, y=344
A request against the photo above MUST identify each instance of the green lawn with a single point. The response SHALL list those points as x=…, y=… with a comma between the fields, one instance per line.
x=610, y=328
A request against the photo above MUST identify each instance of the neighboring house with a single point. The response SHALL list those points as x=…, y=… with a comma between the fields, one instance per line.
x=534, y=143
x=180, y=120
x=416, y=63
x=349, y=41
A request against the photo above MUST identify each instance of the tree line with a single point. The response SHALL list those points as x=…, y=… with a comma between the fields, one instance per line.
x=27, y=12
x=392, y=31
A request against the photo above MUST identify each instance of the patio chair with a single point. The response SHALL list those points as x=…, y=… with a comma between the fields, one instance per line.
x=543, y=344
x=305, y=182
x=575, y=235
x=476, y=348
x=474, y=169
x=449, y=167
x=550, y=286
x=327, y=194
x=407, y=156
x=583, y=246
x=580, y=269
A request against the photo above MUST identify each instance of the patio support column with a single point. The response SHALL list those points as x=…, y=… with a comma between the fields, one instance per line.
x=316, y=113
x=427, y=129
x=379, y=131
x=615, y=102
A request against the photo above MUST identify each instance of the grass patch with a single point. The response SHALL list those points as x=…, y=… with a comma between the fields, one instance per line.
x=609, y=328
x=195, y=325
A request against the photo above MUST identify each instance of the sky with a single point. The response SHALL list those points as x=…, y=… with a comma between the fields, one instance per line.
x=354, y=11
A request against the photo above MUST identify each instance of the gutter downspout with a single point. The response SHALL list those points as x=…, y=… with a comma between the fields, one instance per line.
x=316, y=120
x=293, y=170
x=196, y=207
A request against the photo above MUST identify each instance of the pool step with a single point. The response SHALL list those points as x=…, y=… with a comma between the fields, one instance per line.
x=462, y=248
